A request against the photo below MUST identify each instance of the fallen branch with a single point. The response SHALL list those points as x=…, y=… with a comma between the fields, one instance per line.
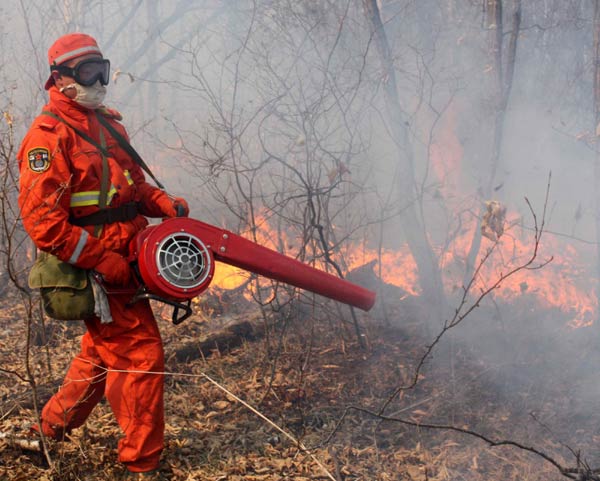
x=571, y=473
x=226, y=339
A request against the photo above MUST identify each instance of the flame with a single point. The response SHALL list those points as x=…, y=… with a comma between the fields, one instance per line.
x=395, y=267
x=566, y=283
x=228, y=277
x=557, y=284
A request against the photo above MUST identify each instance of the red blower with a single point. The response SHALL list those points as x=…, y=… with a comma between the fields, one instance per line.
x=176, y=262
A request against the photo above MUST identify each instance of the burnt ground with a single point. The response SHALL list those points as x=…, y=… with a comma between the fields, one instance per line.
x=509, y=371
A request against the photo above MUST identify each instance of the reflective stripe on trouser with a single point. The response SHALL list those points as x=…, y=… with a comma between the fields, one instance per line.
x=131, y=342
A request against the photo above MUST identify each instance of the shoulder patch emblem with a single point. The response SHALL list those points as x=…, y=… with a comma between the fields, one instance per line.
x=39, y=159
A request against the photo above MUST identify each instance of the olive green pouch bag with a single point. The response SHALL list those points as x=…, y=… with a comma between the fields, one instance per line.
x=66, y=290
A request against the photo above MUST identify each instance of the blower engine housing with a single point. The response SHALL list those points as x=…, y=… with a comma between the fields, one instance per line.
x=173, y=262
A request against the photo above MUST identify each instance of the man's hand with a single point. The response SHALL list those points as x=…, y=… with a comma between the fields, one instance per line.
x=182, y=209
x=173, y=206
x=114, y=269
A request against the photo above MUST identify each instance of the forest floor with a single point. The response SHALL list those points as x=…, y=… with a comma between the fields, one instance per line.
x=511, y=372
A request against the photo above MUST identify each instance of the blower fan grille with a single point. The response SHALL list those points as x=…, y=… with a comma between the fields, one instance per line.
x=183, y=260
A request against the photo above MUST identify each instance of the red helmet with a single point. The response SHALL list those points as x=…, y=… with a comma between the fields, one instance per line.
x=68, y=47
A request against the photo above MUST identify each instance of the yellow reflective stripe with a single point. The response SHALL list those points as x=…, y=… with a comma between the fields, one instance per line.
x=92, y=197
x=83, y=199
x=112, y=191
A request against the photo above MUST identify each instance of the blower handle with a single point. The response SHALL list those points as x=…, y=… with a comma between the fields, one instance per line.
x=180, y=210
x=177, y=306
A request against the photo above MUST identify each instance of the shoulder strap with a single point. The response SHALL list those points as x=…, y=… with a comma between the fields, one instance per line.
x=79, y=132
x=126, y=146
x=103, y=183
x=46, y=122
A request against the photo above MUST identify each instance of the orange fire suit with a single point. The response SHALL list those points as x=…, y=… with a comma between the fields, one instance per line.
x=60, y=178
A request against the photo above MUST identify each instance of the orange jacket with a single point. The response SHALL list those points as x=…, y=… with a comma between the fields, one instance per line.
x=61, y=175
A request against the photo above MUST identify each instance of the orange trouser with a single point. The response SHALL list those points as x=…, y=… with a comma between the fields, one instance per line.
x=130, y=343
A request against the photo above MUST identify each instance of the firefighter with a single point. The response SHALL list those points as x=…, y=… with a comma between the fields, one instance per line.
x=68, y=212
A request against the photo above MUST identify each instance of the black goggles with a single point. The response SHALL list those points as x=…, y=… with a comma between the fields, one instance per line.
x=87, y=72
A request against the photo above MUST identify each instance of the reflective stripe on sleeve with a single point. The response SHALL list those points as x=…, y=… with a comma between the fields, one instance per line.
x=79, y=247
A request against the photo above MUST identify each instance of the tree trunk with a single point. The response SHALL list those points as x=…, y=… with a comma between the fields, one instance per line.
x=429, y=273
x=501, y=87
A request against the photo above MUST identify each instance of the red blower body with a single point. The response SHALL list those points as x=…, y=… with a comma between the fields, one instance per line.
x=176, y=262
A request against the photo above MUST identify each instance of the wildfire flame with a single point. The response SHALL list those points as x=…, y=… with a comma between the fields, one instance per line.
x=228, y=277
x=564, y=284
x=557, y=285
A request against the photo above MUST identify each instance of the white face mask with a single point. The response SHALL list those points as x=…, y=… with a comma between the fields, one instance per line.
x=89, y=97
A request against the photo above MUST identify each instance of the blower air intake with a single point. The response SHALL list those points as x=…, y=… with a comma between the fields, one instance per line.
x=183, y=261
x=176, y=262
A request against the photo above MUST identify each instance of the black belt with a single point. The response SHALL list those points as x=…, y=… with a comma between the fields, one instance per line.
x=109, y=215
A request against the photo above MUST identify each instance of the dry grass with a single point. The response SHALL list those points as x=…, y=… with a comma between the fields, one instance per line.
x=316, y=375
